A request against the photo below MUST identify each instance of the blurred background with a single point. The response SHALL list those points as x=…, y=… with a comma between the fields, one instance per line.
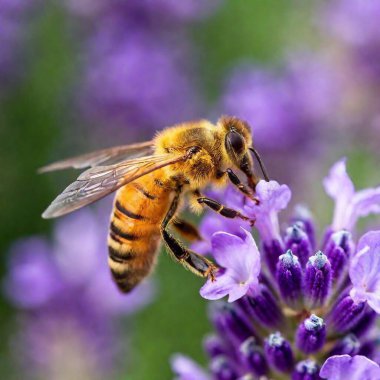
x=77, y=75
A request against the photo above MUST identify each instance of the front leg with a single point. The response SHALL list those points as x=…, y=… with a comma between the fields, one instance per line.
x=246, y=190
x=223, y=210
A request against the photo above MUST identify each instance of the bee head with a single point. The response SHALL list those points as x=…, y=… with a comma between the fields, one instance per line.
x=238, y=140
x=237, y=137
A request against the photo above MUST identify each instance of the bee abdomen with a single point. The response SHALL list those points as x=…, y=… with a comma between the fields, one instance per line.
x=132, y=246
x=118, y=235
x=135, y=235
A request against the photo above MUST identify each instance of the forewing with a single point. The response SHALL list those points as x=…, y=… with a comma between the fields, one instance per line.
x=103, y=157
x=99, y=181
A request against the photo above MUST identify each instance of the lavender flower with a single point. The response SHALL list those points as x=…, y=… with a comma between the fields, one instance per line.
x=68, y=306
x=137, y=80
x=278, y=315
x=14, y=17
x=159, y=10
x=349, y=204
x=242, y=263
x=290, y=105
x=139, y=74
x=354, y=23
x=350, y=28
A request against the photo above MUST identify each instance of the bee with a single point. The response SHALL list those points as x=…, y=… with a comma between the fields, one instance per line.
x=151, y=179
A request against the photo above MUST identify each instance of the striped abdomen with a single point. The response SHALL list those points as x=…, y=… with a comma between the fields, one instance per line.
x=135, y=235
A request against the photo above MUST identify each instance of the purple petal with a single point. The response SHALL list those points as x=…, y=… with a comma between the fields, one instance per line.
x=214, y=290
x=358, y=368
x=365, y=202
x=212, y=223
x=238, y=291
x=273, y=198
x=239, y=256
x=349, y=206
x=338, y=183
x=241, y=260
x=187, y=369
x=365, y=271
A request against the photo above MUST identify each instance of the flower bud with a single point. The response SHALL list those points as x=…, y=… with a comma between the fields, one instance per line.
x=338, y=250
x=317, y=283
x=349, y=345
x=345, y=314
x=263, y=307
x=231, y=323
x=369, y=348
x=298, y=242
x=279, y=353
x=365, y=323
x=304, y=219
x=222, y=368
x=214, y=346
x=289, y=279
x=306, y=370
x=311, y=335
x=253, y=357
x=272, y=251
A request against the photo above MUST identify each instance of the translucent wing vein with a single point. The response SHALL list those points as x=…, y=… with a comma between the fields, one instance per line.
x=99, y=181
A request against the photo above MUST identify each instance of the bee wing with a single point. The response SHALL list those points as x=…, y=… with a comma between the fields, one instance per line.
x=99, y=181
x=103, y=157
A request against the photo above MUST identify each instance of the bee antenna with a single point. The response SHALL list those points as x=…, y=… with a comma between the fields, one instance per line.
x=260, y=161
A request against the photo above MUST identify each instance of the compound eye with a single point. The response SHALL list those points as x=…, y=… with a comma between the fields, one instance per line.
x=236, y=142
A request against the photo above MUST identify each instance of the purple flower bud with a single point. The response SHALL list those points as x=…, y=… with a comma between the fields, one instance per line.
x=214, y=346
x=298, y=242
x=366, y=322
x=272, y=251
x=304, y=218
x=349, y=345
x=311, y=334
x=338, y=250
x=223, y=368
x=263, y=307
x=345, y=314
x=369, y=348
x=279, y=353
x=289, y=279
x=253, y=357
x=231, y=323
x=306, y=370
x=317, y=282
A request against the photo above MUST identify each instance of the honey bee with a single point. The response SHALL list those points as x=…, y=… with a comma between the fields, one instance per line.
x=151, y=179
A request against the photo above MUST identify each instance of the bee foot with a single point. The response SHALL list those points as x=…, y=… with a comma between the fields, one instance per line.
x=211, y=273
x=256, y=200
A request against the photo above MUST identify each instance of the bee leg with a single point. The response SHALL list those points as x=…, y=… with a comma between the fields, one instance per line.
x=186, y=229
x=246, y=190
x=197, y=264
x=223, y=210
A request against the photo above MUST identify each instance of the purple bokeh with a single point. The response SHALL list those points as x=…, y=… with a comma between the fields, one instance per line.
x=67, y=301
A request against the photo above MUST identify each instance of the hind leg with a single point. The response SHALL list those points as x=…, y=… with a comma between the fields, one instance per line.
x=192, y=261
x=186, y=229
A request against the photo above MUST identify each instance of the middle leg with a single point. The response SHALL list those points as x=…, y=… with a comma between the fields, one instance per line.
x=221, y=209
